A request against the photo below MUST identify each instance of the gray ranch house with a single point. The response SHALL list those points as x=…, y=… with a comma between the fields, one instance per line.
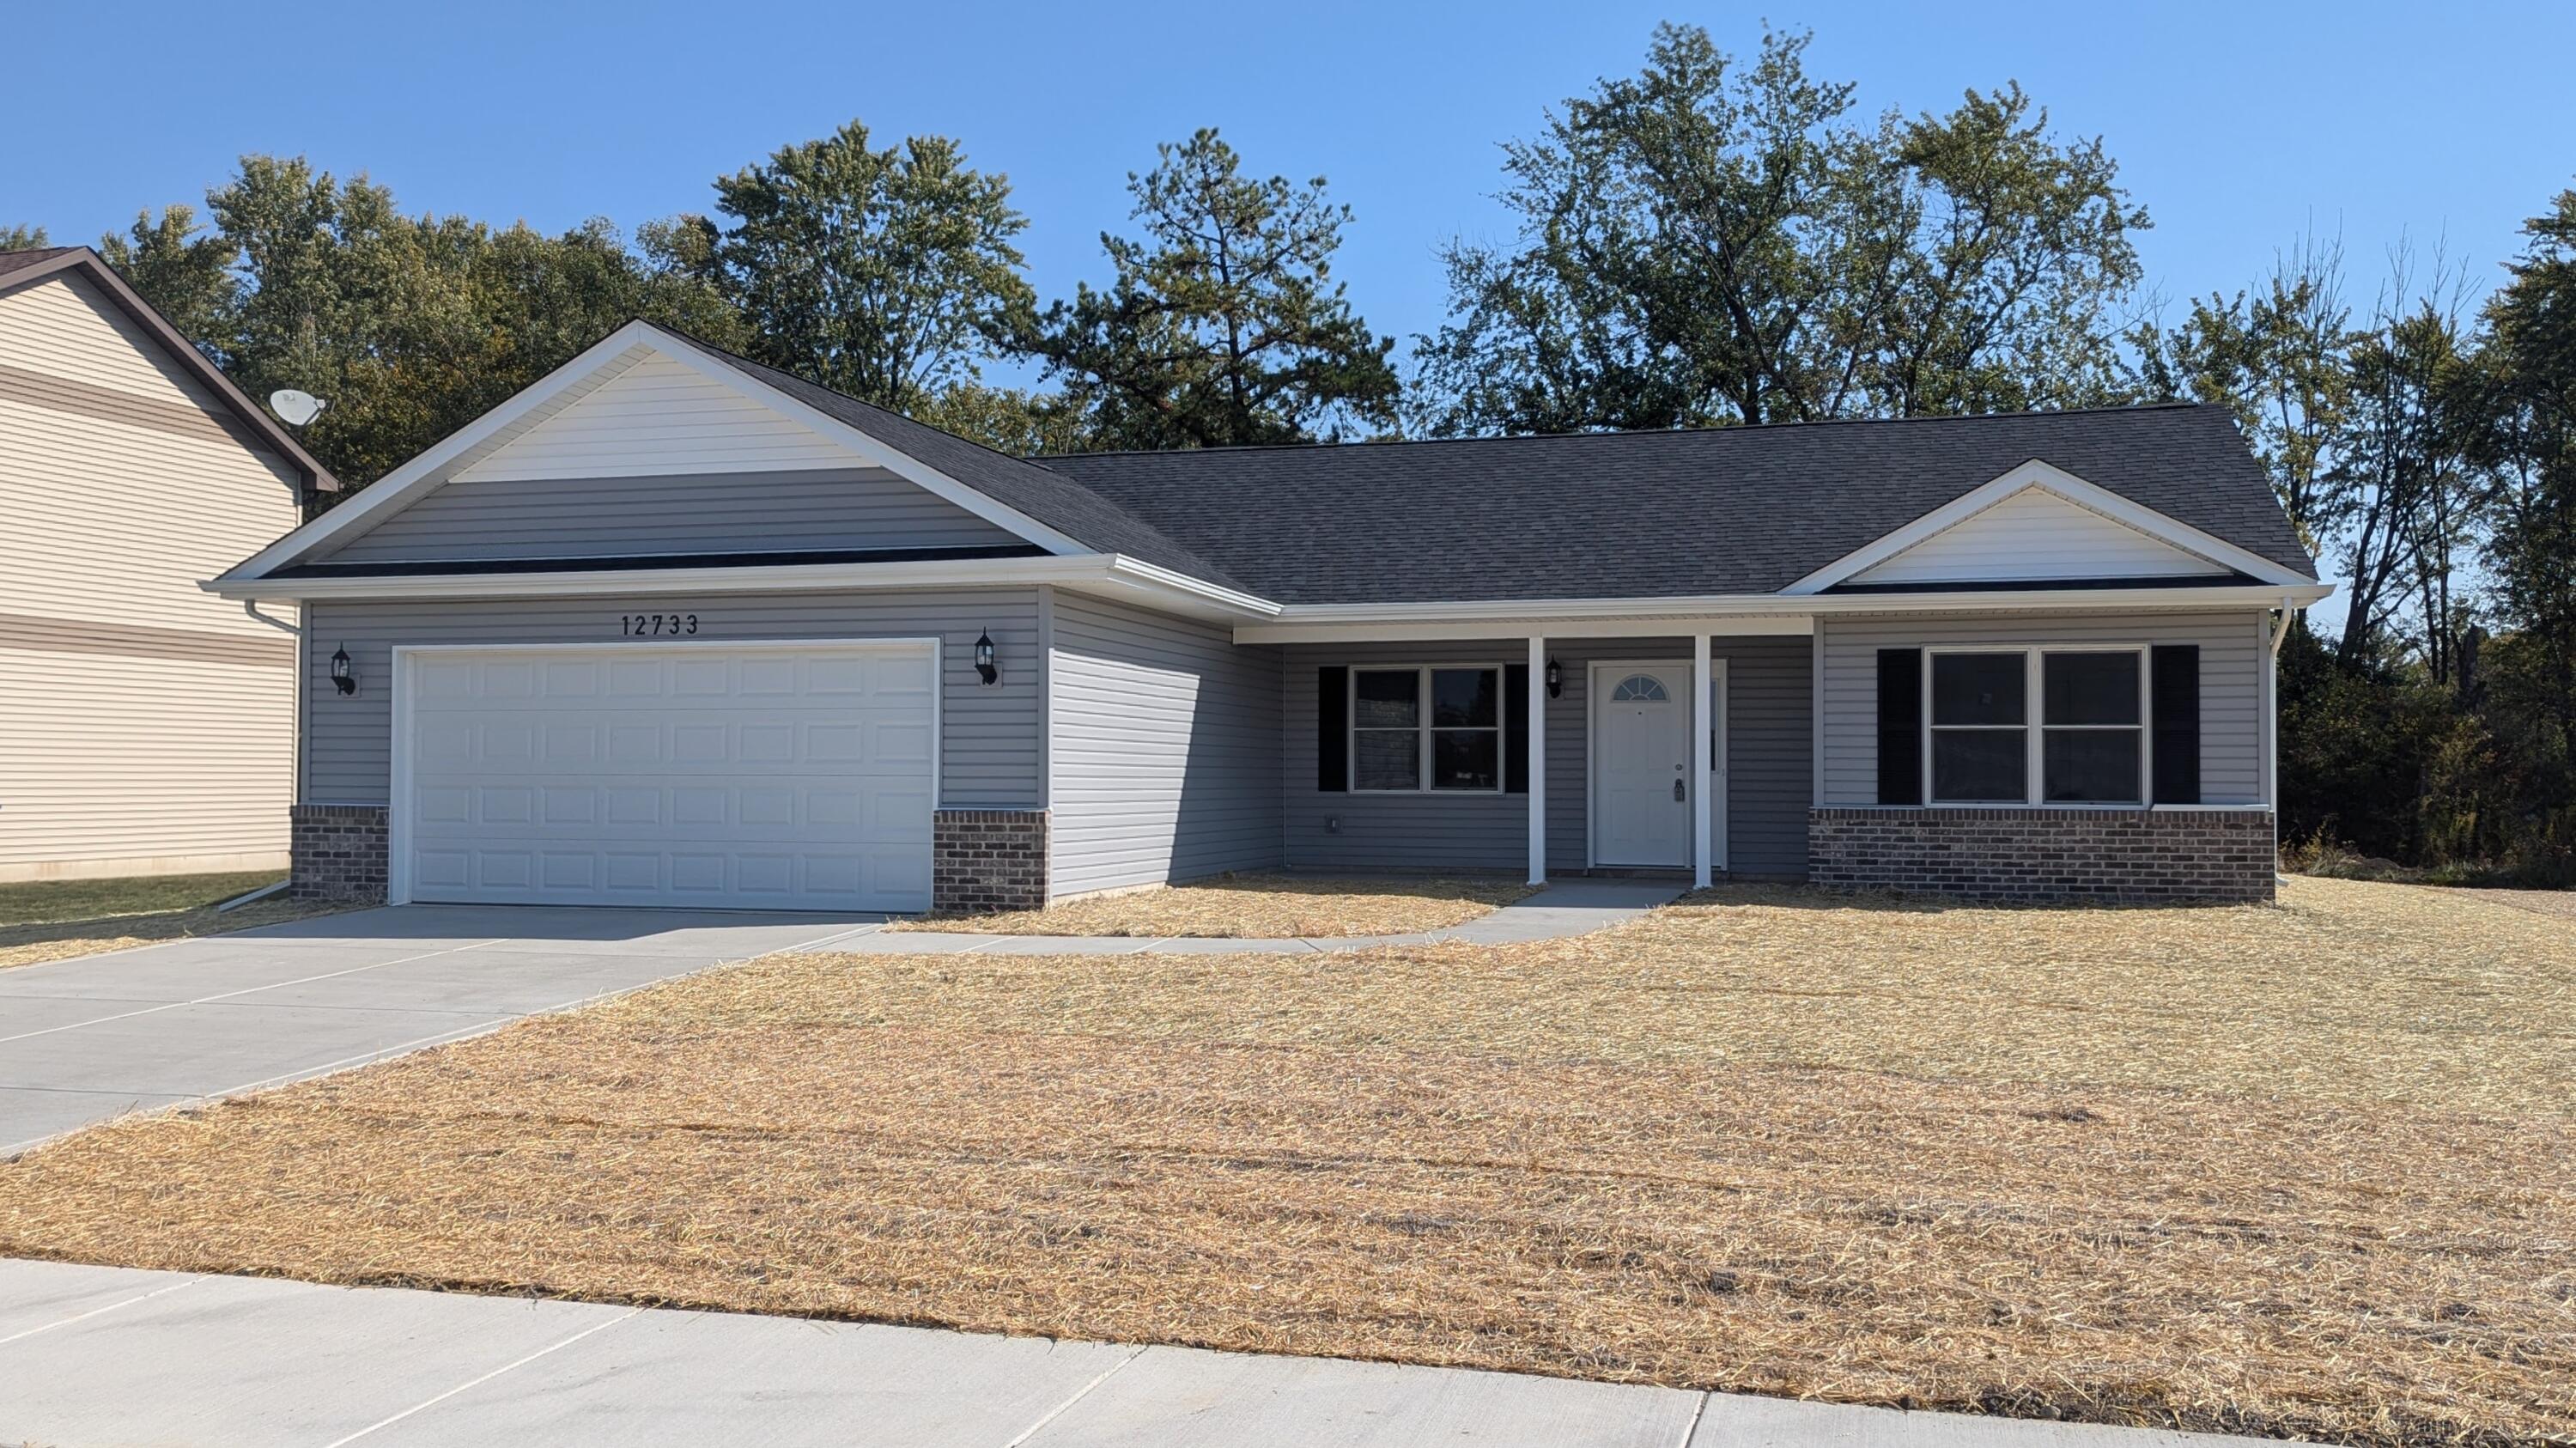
x=673, y=628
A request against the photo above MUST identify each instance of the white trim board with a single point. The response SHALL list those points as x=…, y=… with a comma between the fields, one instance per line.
x=2217, y=553
x=562, y=388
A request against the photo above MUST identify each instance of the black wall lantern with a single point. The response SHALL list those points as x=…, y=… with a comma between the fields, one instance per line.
x=1555, y=679
x=984, y=664
x=341, y=677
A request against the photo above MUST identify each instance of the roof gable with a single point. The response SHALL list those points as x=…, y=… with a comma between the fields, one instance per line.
x=175, y=353
x=650, y=413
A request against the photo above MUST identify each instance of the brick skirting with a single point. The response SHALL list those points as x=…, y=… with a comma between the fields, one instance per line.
x=339, y=851
x=2111, y=856
x=988, y=859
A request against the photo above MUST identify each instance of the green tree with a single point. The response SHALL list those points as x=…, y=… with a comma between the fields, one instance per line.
x=883, y=274
x=1223, y=325
x=2531, y=367
x=408, y=326
x=22, y=238
x=1706, y=243
x=1008, y=419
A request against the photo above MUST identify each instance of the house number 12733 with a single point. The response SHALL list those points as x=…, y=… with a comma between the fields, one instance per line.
x=657, y=625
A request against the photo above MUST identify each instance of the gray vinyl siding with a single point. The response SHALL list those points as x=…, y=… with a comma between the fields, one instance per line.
x=2231, y=685
x=1163, y=749
x=1769, y=773
x=989, y=734
x=680, y=513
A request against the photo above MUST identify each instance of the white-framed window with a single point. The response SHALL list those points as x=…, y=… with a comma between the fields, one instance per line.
x=1428, y=727
x=2035, y=724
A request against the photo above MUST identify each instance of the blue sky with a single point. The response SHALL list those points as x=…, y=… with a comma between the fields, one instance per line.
x=2237, y=125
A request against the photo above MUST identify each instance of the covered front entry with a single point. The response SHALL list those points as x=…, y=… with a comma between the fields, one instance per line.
x=779, y=776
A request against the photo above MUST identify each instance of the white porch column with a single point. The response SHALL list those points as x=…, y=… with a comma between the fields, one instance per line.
x=1535, y=741
x=1700, y=772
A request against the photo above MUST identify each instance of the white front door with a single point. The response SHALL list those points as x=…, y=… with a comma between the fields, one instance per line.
x=735, y=776
x=1642, y=791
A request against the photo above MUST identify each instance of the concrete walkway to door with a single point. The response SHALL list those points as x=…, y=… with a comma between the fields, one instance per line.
x=96, y=1036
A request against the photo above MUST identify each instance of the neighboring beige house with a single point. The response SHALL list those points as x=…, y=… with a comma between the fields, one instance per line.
x=146, y=726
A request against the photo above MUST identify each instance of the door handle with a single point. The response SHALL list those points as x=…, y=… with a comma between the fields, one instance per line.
x=1677, y=791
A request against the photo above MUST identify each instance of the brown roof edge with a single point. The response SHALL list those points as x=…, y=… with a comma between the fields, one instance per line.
x=89, y=263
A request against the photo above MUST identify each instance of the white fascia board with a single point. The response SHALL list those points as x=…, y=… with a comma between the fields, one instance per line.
x=875, y=452
x=397, y=487
x=1106, y=573
x=1740, y=614
x=2038, y=474
x=427, y=470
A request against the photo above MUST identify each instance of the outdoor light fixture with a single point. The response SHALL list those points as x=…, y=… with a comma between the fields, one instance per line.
x=984, y=659
x=341, y=678
x=1555, y=679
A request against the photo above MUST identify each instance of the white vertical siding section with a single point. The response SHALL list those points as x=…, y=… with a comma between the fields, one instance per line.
x=2231, y=675
x=1163, y=753
x=2036, y=533
x=117, y=758
x=659, y=416
x=989, y=733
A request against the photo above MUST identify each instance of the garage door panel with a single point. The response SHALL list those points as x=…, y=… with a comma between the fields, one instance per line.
x=789, y=778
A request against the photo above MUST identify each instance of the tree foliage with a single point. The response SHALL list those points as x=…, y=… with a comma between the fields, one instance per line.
x=885, y=274
x=408, y=326
x=1223, y=324
x=1708, y=243
x=18, y=237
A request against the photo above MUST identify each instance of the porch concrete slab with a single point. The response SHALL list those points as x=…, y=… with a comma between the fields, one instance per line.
x=261, y=1363
x=1172, y=1397
x=1735, y=1420
x=772, y=1381
x=195, y=1050
x=29, y=1115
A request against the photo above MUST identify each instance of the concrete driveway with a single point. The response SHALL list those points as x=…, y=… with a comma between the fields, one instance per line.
x=87, y=1039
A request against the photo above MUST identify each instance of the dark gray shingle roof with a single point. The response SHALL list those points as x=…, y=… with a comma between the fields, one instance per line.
x=1651, y=514
x=1049, y=497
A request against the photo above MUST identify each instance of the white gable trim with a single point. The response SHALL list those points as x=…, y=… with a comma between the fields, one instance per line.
x=406, y=483
x=2037, y=474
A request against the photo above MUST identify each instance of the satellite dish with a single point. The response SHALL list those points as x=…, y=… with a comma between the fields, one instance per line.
x=298, y=408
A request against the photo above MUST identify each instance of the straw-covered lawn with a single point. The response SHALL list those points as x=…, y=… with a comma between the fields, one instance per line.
x=1256, y=906
x=2298, y=1170
x=57, y=919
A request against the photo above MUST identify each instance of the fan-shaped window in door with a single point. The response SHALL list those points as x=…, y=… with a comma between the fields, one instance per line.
x=1640, y=687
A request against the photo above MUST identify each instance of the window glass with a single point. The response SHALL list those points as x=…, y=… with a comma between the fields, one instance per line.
x=1643, y=688
x=1386, y=698
x=2099, y=765
x=1463, y=697
x=1979, y=689
x=1386, y=759
x=1978, y=765
x=1466, y=759
x=2091, y=688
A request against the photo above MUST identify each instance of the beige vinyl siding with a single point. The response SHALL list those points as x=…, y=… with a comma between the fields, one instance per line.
x=118, y=756
x=714, y=512
x=2231, y=685
x=1164, y=749
x=990, y=736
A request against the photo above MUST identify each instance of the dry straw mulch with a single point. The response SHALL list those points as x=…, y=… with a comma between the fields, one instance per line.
x=1256, y=907
x=2216, y=1169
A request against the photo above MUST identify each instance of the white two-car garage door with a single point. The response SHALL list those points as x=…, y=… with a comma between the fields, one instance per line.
x=754, y=776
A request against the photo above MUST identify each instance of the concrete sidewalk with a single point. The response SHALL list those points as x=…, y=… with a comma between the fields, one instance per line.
x=104, y=1355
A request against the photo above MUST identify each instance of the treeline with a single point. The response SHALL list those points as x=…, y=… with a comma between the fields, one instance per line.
x=1711, y=241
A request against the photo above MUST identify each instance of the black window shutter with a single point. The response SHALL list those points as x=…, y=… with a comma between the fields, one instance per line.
x=1900, y=724
x=1332, y=730
x=1516, y=728
x=2175, y=677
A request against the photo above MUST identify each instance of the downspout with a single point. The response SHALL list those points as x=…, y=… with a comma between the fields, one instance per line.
x=295, y=723
x=2278, y=629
